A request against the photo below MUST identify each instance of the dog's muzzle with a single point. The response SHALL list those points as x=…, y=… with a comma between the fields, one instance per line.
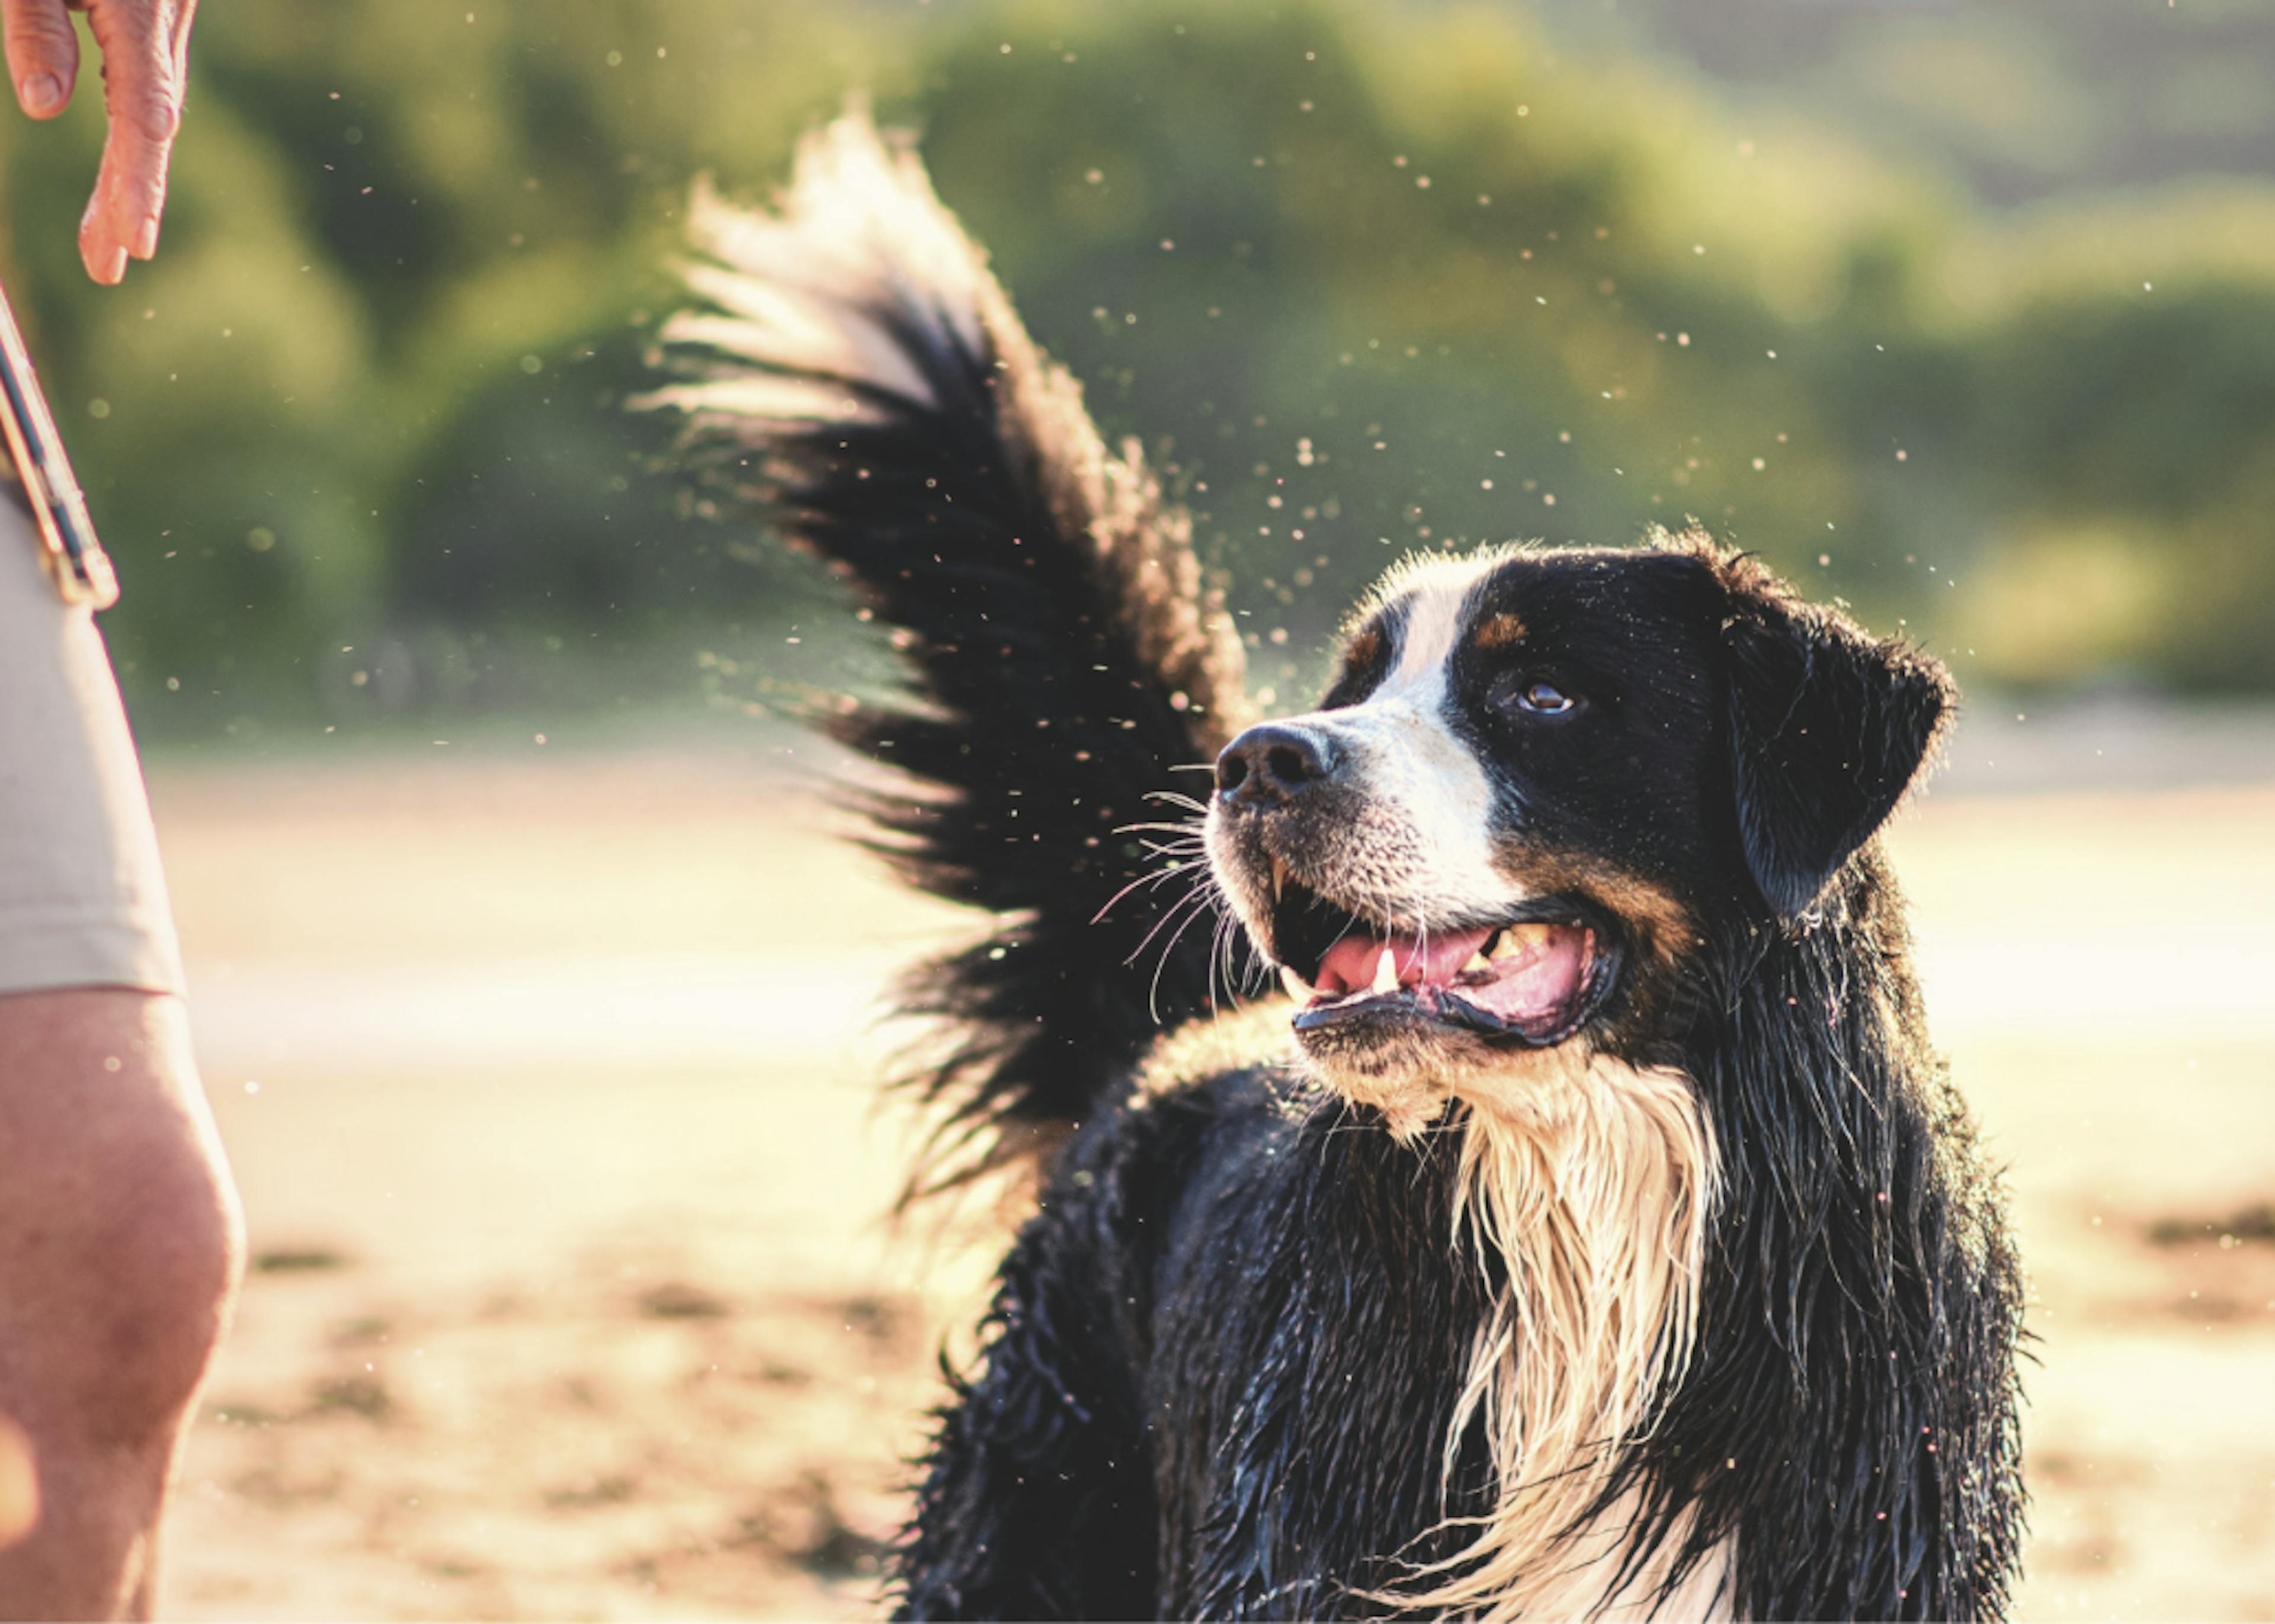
x=1285, y=798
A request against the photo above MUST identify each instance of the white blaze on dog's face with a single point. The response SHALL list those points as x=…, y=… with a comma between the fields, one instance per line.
x=1464, y=856
x=1419, y=851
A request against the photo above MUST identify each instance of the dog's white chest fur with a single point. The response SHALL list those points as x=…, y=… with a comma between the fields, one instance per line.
x=1586, y=1185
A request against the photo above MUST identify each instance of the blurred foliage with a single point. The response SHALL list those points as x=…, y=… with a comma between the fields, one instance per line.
x=1369, y=278
x=2025, y=100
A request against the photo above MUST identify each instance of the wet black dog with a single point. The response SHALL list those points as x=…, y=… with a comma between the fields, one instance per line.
x=1595, y=1233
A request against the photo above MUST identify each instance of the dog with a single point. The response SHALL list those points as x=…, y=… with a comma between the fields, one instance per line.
x=1590, y=1229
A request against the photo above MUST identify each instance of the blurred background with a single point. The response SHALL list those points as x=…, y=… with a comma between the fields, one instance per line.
x=1966, y=313
x=538, y=1004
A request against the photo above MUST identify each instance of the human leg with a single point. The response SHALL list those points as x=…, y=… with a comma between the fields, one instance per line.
x=119, y=1237
x=119, y=1248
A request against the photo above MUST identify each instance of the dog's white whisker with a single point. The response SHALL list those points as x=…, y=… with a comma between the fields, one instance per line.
x=1171, y=797
x=1196, y=887
x=1200, y=902
x=1143, y=882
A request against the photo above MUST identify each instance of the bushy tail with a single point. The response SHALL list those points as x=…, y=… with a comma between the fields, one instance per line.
x=855, y=375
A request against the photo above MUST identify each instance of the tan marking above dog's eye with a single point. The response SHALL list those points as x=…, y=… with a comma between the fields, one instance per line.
x=1366, y=647
x=1498, y=631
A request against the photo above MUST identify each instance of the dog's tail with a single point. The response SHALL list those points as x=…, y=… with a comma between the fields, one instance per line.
x=855, y=375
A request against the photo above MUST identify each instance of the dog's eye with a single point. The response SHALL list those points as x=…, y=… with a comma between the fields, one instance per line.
x=1545, y=698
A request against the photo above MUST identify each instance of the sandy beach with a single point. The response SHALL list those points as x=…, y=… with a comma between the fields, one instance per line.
x=549, y=1078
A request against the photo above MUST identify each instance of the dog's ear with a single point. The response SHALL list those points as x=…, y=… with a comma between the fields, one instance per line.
x=1828, y=729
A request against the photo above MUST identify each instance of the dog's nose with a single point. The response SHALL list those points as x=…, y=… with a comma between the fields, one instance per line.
x=1271, y=765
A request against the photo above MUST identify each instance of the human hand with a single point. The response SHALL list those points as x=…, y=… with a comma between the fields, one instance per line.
x=146, y=46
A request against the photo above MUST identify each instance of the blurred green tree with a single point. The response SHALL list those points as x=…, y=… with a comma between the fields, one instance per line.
x=1369, y=280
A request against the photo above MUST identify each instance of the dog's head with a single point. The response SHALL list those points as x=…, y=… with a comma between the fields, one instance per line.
x=1539, y=782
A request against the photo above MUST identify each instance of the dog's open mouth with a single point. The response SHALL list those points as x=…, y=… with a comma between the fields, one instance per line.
x=1534, y=980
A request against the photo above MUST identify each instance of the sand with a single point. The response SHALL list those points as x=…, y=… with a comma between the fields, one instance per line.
x=549, y=1078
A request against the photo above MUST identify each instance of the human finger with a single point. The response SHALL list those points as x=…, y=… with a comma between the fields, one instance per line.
x=142, y=90
x=42, y=54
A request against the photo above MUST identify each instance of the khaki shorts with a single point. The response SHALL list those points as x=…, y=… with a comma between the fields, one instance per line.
x=82, y=898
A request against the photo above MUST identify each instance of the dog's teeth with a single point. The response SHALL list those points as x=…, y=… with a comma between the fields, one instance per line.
x=1297, y=987
x=1385, y=973
x=1478, y=961
x=1519, y=938
x=1278, y=878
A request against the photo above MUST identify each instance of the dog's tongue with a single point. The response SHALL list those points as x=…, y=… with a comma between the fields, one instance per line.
x=1356, y=962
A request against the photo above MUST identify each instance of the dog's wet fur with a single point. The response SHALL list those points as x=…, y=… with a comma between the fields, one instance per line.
x=1595, y=1233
